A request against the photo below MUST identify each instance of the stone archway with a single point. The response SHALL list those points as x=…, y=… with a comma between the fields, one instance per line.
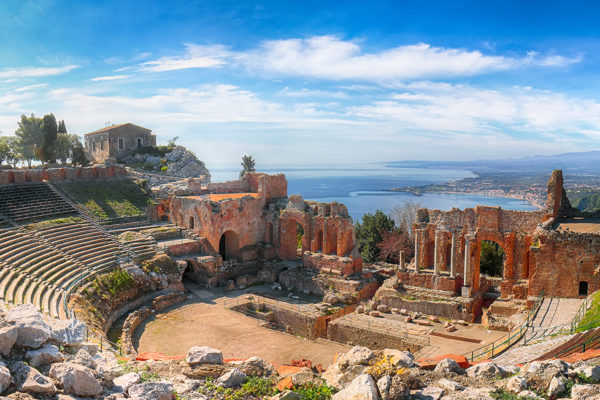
x=229, y=245
x=288, y=238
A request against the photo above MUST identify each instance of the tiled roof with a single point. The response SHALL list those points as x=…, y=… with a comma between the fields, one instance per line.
x=110, y=128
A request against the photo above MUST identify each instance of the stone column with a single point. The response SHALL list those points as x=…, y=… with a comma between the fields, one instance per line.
x=401, y=259
x=436, y=257
x=467, y=261
x=416, y=251
x=452, y=255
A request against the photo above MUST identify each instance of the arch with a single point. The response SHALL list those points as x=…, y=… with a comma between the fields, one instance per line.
x=288, y=237
x=491, y=258
x=332, y=239
x=430, y=254
x=229, y=245
x=318, y=241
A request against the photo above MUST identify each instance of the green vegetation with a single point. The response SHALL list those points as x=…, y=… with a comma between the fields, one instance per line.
x=113, y=282
x=248, y=165
x=592, y=315
x=502, y=394
x=369, y=233
x=312, y=391
x=586, y=201
x=492, y=259
x=161, y=264
x=254, y=387
x=111, y=199
x=299, y=234
x=51, y=222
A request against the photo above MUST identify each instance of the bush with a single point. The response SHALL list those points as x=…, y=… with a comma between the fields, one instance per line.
x=311, y=391
x=114, y=282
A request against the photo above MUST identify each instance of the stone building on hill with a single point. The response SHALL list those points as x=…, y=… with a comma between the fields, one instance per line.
x=117, y=141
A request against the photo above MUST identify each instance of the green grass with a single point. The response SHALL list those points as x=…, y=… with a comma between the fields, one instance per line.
x=254, y=387
x=111, y=199
x=114, y=282
x=592, y=314
x=312, y=391
x=51, y=222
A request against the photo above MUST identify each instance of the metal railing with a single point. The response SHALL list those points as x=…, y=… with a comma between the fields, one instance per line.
x=581, y=311
x=500, y=345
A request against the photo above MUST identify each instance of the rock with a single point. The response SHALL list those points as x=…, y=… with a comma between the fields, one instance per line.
x=556, y=387
x=5, y=378
x=433, y=318
x=84, y=358
x=383, y=308
x=447, y=324
x=123, y=382
x=487, y=370
x=304, y=377
x=68, y=332
x=151, y=391
x=76, y=379
x=429, y=393
x=399, y=358
x=544, y=371
x=395, y=310
x=286, y=395
x=408, y=319
x=340, y=379
x=399, y=389
x=255, y=366
x=358, y=355
x=37, y=383
x=383, y=384
x=8, y=337
x=361, y=388
x=462, y=322
x=374, y=313
x=423, y=322
x=230, y=285
x=403, y=311
x=529, y=395
x=231, y=378
x=43, y=356
x=203, y=355
x=516, y=384
x=584, y=392
x=590, y=372
x=448, y=365
x=360, y=309
x=450, y=385
x=33, y=330
x=450, y=328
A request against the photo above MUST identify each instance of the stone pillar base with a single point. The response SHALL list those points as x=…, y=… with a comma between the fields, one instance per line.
x=465, y=291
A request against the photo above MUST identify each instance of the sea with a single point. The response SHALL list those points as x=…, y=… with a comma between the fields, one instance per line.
x=366, y=188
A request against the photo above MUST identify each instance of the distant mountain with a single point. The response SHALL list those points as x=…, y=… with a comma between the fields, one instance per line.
x=571, y=163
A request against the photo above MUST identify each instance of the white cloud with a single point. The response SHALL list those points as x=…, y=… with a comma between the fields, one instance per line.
x=109, y=78
x=25, y=72
x=31, y=87
x=195, y=56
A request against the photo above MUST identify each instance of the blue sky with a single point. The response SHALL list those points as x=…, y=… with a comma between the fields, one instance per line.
x=312, y=82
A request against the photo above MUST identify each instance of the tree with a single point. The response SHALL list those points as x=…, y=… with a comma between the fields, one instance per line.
x=171, y=142
x=63, y=148
x=491, y=260
x=248, y=165
x=14, y=154
x=369, y=233
x=392, y=243
x=77, y=152
x=30, y=136
x=405, y=215
x=4, y=149
x=62, y=128
x=50, y=128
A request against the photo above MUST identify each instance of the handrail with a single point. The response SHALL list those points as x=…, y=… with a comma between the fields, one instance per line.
x=581, y=311
x=582, y=345
x=500, y=345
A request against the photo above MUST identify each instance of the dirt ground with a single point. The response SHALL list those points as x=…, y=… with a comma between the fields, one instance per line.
x=580, y=225
x=206, y=322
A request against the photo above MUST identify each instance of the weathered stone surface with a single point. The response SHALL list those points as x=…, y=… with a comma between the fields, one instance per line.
x=556, y=387
x=361, y=388
x=544, y=371
x=429, y=393
x=516, y=384
x=383, y=385
x=84, y=358
x=399, y=390
x=4, y=378
x=231, y=378
x=337, y=378
x=383, y=308
x=76, y=379
x=45, y=355
x=450, y=385
x=8, y=337
x=151, y=391
x=68, y=332
x=591, y=372
x=37, y=383
x=123, y=382
x=487, y=370
x=358, y=355
x=33, y=330
x=448, y=365
x=204, y=355
x=529, y=395
x=398, y=358
x=286, y=395
x=584, y=392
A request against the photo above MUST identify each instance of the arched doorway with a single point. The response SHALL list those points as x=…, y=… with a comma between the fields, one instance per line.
x=491, y=259
x=229, y=245
x=299, y=239
x=318, y=241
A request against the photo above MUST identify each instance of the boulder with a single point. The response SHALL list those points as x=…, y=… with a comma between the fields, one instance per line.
x=448, y=365
x=374, y=313
x=516, y=384
x=358, y=355
x=361, y=388
x=399, y=358
x=556, y=387
x=231, y=378
x=76, y=379
x=68, y=332
x=584, y=392
x=339, y=379
x=529, y=395
x=305, y=376
x=37, y=383
x=203, y=355
x=383, y=308
x=450, y=385
x=123, y=382
x=429, y=393
x=4, y=378
x=33, y=330
x=8, y=337
x=84, y=358
x=286, y=395
x=151, y=391
x=544, y=371
x=486, y=370
x=450, y=328
x=399, y=390
x=383, y=385
x=590, y=372
x=45, y=355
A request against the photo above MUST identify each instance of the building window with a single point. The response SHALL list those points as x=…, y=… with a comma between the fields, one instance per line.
x=121, y=143
x=139, y=142
x=101, y=144
x=93, y=146
x=583, y=288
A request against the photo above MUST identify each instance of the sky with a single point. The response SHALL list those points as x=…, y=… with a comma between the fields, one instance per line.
x=310, y=83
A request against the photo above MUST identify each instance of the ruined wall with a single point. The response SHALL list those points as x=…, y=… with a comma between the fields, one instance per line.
x=8, y=176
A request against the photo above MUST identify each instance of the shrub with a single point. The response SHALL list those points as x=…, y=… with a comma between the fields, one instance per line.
x=311, y=391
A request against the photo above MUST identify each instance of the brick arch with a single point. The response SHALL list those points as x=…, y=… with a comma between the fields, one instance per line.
x=287, y=234
x=504, y=242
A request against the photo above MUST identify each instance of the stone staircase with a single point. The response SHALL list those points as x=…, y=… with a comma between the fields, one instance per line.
x=32, y=201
